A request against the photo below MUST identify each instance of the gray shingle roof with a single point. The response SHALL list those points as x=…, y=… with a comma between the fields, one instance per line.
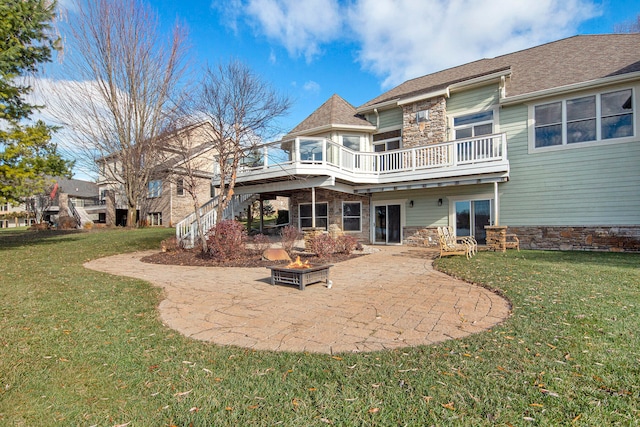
x=560, y=63
x=77, y=187
x=335, y=112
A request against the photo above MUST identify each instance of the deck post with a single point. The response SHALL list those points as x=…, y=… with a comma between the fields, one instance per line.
x=313, y=207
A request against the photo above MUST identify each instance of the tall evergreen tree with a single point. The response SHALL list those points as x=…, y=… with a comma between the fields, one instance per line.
x=27, y=154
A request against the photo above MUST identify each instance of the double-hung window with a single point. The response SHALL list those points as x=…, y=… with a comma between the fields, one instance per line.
x=596, y=117
x=306, y=217
x=154, y=189
x=180, y=187
x=352, y=216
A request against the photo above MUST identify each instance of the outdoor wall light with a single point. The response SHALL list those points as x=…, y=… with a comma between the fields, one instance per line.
x=439, y=202
x=410, y=203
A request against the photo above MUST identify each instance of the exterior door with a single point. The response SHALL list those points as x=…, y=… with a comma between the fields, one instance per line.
x=471, y=218
x=388, y=224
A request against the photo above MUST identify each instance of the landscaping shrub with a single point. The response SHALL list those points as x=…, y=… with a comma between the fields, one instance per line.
x=261, y=242
x=227, y=240
x=346, y=244
x=323, y=245
x=289, y=235
x=67, y=223
x=169, y=245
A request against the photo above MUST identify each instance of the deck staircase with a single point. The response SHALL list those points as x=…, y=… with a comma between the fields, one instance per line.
x=187, y=229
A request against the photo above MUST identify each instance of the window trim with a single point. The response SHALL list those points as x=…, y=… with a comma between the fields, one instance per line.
x=309, y=204
x=385, y=141
x=531, y=125
x=153, y=192
x=495, y=121
x=359, y=230
x=180, y=187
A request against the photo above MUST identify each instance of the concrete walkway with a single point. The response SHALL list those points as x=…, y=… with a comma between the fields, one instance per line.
x=389, y=299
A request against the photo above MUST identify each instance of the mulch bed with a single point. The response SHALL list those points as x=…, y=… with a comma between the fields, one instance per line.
x=196, y=258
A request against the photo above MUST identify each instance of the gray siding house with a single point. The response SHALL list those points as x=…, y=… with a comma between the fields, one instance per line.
x=544, y=141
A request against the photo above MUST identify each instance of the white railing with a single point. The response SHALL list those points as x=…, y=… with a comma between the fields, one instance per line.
x=187, y=229
x=328, y=154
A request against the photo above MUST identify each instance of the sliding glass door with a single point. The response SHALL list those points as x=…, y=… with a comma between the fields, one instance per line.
x=388, y=224
x=471, y=218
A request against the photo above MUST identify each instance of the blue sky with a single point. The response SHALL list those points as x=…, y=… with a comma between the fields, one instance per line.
x=358, y=49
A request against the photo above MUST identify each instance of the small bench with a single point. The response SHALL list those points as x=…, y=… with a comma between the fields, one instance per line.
x=512, y=242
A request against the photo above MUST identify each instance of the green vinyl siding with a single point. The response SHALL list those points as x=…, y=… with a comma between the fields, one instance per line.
x=390, y=118
x=580, y=186
x=481, y=98
x=425, y=211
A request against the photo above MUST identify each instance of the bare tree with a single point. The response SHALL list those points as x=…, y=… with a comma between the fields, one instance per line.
x=242, y=109
x=629, y=26
x=42, y=198
x=190, y=166
x=123, y=95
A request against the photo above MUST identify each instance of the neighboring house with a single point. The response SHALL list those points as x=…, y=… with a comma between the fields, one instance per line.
x=545, y=140
x=73, y=197
x=167, y=200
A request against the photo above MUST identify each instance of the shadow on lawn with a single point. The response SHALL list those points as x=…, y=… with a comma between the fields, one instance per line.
x=601, y=259
x=15, y=239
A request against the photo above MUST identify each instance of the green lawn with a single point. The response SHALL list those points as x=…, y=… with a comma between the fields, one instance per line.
x=78, y=347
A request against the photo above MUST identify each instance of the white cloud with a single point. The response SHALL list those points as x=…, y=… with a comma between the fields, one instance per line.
x=312, y=87
x=403, y=39
x=300, y=26
x=430, y=35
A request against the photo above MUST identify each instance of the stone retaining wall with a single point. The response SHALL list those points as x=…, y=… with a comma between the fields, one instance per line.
x=613, y=239
x=595, y=238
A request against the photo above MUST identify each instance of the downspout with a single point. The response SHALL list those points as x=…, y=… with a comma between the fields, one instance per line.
x=375, y=110
x=496, y=207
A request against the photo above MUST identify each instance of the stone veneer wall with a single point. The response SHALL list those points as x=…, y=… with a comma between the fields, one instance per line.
x=432, y=131
x=334, y=200
x=420, y=236
x=595, y=238
x=612, y=239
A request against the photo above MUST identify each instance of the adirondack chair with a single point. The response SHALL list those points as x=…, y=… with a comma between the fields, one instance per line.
x=469, y=240
x=449, y=246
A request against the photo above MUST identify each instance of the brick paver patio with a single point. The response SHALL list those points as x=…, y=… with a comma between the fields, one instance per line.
x=389, y=299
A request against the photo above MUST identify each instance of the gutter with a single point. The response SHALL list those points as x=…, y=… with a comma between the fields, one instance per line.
x=591, y=84
x=446, y=92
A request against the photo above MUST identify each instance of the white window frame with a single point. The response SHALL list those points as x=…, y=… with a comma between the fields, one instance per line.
x=317, y=216
x=494, y=121
x=359, y=230
x=154, y=189
x=598, y=140
x=154, y=218
x=346, y=135
x=180, y=187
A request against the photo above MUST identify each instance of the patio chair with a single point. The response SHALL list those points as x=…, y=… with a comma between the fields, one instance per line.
x=449, y=246
x=512, y=242
x=469, y=240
